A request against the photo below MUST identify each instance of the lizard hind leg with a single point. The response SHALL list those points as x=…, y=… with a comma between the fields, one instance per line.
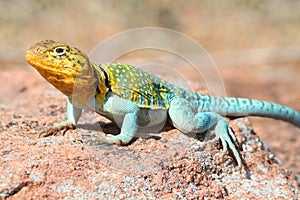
x=184, y=119
x=181, y=115
x=205, y=120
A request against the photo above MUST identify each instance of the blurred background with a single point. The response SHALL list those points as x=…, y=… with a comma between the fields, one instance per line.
x=220, y=26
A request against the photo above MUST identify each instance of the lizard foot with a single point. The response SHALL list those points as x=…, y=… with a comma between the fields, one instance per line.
x=225, y=134
x=57, y=129
x=113, y=139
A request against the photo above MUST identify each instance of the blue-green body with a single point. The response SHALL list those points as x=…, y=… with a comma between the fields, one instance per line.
x=150, y=100
x=136, y=98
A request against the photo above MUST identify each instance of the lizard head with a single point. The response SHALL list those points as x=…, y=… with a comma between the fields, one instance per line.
x=66, y=68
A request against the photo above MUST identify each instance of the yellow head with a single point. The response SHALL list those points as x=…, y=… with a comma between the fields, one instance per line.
x=66, y=68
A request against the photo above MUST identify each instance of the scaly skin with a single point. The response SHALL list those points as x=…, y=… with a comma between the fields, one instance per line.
x=138, y=98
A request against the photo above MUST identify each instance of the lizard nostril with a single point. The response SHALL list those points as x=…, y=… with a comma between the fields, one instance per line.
x=38, y=50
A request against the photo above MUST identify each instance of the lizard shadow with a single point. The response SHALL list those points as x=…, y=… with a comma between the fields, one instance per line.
x=113, y=129
x=148, y=133
x=143, y=132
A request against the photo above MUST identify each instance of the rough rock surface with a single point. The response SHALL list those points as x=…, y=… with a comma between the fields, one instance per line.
x=74, y=165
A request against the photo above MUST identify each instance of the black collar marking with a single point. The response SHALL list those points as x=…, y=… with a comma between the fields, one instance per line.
x=106, y=81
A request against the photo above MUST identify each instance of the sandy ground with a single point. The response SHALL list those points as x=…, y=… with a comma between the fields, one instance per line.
x=168, y=165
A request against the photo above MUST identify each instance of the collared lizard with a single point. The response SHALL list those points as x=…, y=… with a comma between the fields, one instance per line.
x=139, y=97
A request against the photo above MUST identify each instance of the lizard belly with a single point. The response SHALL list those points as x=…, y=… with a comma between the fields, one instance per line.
x=146, y=117
x=93, y=105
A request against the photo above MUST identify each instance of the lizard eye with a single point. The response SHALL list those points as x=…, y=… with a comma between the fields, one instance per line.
x=60, y=51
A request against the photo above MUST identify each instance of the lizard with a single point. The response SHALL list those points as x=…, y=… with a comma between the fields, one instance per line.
x=138, y=97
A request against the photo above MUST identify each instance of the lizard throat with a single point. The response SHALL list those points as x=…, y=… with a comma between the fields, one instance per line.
x=78, y=85
x=60, y=78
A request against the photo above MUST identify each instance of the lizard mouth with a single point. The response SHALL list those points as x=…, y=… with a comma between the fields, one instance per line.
x=32, y=60
x=43, y=66
x=53, y=74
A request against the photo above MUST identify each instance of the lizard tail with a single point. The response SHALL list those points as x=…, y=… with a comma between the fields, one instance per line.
x=238, y=107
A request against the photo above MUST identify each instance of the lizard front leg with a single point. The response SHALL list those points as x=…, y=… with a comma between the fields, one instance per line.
x=73, y=115
x=185, y=120
x=118, y=106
